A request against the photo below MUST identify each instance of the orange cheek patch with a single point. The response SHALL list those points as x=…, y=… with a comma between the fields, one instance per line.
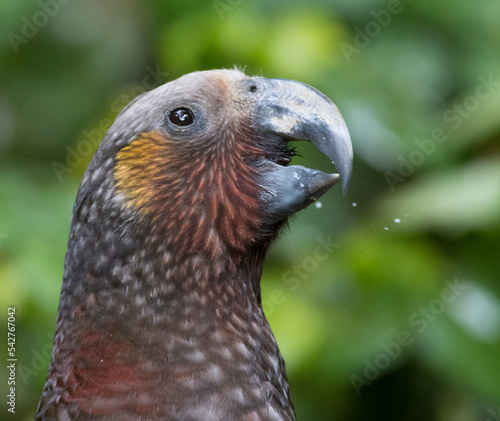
x=139, y=166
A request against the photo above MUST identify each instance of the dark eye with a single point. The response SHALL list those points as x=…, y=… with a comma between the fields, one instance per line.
x=181, y=117
x=253, y=88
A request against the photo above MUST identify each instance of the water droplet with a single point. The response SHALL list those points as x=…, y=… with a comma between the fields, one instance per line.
x=386, y=228
x=354, y=204
x=397, y=220
x=318, y=205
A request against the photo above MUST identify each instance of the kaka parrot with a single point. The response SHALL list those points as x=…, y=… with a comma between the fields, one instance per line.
x=160, y=314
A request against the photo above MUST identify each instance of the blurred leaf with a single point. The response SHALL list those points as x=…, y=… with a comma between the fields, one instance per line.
x=452, y=200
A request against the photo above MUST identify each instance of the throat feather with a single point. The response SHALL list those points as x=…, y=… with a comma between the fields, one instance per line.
x=196, y=199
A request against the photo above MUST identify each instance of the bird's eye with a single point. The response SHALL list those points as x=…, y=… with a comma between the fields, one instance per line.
x=181, y=117
x=253, y=88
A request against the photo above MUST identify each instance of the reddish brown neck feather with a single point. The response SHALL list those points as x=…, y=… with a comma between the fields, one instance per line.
x=202, y=199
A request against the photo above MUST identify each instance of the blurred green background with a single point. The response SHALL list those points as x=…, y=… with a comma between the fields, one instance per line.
x=385, y=302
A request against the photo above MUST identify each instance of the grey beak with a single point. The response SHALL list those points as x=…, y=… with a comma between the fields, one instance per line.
x=291, y=110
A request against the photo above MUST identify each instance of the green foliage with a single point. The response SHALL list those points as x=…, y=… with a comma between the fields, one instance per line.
x=391, y=291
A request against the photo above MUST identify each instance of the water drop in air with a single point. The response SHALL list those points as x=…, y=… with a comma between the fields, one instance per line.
x=354, y=204
x=397, y=220
x=318, y=205
x=386, y=228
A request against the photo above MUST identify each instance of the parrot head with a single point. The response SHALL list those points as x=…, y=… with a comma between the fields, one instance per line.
x=207, y=156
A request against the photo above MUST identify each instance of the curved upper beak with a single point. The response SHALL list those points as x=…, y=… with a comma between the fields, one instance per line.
x=291, y=110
